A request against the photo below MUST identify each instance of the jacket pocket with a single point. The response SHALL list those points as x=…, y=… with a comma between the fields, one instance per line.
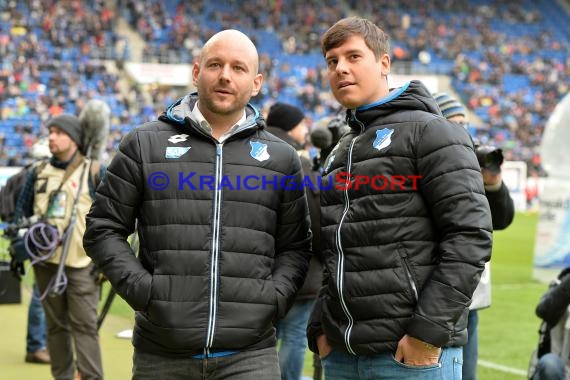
x=412, y=283
x=279, y=302
x=426, y=367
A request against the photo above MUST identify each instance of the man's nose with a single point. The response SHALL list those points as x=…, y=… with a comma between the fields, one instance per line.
x=342, y=66
x=225, y=73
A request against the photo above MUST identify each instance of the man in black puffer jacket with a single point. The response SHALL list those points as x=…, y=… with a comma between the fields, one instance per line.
x=288, y=123
x=224, y=236
x=502, y=214
x=406, y=228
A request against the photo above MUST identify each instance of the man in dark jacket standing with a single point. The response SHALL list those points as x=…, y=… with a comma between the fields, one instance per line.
x=54, y=192
x=502, y=214
x=224, y=246
x=406, y=234
x=288, y=123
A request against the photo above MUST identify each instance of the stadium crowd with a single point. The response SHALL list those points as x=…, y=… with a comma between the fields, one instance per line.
x=508, y=64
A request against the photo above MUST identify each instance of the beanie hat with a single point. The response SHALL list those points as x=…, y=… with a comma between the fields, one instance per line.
x=69, y=124
x=448, y=105
x=284, y=116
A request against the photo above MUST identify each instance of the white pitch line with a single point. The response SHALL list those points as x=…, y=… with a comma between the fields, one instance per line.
x=503, y=368
x=518, y=286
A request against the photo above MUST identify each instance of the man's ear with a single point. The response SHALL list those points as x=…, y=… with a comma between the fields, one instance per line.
x=195, y=72
x=384, y=63
x=257, y=81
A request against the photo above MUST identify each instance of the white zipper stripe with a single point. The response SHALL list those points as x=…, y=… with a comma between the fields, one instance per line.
x=340, y=267
x=411, y=279
x=215, y=249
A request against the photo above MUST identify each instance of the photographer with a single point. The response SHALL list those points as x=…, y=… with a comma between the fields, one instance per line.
x=56, y=190
x=502, y=213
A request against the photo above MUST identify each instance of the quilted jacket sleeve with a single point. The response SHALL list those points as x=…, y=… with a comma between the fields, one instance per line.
x=112, y=219
x=293, y=241
x=502, y=207
x=452, y=187
x=555, y=301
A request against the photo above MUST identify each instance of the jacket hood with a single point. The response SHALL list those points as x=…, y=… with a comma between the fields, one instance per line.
x=180, y=112
x=412, y=96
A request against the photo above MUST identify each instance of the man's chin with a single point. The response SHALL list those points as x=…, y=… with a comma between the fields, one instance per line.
x=225, y=108
x=346, y=99
x=347, y=102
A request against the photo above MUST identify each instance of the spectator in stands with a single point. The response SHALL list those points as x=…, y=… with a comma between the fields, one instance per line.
x=288, y=123
x=513, y=94
x=502, y=214
x=209, y=283
x=402, y=263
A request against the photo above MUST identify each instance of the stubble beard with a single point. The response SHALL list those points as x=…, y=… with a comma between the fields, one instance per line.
x=224, y=109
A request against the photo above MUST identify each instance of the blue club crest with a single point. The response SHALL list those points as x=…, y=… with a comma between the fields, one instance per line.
x=176, y=151
x=259, y=151
x=383, y=139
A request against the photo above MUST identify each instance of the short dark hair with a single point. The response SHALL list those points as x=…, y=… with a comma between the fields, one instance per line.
x=374, y=37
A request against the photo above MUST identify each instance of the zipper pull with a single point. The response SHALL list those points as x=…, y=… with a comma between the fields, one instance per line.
x=355, y=120
x=219, y=149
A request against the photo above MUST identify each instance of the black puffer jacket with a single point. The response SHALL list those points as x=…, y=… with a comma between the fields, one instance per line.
x=314, y=278
x=502, y=207
x=409, y=257
x=216, y=266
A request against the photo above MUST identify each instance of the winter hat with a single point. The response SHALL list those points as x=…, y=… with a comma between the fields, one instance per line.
x=448, y=105
x=69, y=124
x=284, y=116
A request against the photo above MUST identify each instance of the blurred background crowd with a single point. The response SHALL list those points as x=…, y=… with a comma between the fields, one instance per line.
x=508, y=61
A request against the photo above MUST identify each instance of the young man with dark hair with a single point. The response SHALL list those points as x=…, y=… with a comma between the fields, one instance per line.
x=401, y=263
x=502, y=214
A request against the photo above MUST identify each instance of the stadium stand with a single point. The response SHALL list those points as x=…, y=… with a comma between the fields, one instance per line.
x=509, y=63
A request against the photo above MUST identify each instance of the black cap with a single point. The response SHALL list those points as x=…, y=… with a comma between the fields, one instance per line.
x=69, y=124
x=284, y=116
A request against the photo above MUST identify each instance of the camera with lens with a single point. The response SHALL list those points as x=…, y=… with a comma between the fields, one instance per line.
x=490, y=158
x=325, y=138
x=15, y=233
x=13, y=230
x=338, y=127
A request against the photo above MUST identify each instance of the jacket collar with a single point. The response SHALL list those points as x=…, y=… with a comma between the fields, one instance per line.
x=413, y=96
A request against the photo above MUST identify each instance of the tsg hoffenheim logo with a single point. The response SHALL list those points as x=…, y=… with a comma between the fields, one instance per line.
x=383, y=139
x=176, y=151
x=258, y=151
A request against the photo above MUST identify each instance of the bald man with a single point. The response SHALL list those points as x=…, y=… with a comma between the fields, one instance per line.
x=224, y=245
